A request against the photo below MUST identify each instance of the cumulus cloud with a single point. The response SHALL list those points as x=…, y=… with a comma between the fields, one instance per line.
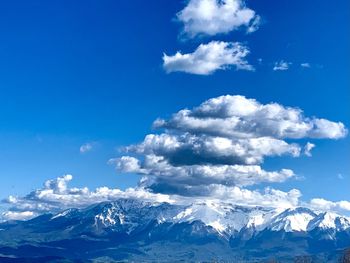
x=240, y=117
x=166, y=178
x=211, y=151
x=187, y=149
x=281, y=65
x=208, y=58
x=211, y=17
x=223, y=141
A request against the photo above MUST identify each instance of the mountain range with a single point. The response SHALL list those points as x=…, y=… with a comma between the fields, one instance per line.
x=208, y=231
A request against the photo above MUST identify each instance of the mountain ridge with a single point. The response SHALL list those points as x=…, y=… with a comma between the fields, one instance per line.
x=131, y=229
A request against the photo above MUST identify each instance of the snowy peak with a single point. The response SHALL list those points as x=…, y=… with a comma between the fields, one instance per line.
x=226, y=219
x=328, y=220
x=296, y=219
x=221, y=217
x=129, y=214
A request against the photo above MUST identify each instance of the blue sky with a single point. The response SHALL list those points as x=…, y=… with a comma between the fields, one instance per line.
x=75, y=72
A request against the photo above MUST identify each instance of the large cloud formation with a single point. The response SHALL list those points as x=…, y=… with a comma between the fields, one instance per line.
x=212, y=151
x=208, y=58
x=223, y=142
x=211, y=17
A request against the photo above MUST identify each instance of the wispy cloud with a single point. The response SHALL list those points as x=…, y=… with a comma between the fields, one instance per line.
x=340, y=176
x=305, y=65
x=281, y=65
x=308, y=148
x=86, y=147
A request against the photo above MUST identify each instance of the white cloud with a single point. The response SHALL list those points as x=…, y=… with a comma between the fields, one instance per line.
x=188, y=148
x=239, y=117
x=160, y=173
x=211, y=17
x=281, y=65
x=223, y=141
x=56, y=195
x=211, y=151
x=269, y=197
x=305, y=65
x=86, y=147
x=327, y=129
x=14, y=215
x=208, y=58
x=307, y=149
x=126, y=164
x=254, y=25
x=326, y=205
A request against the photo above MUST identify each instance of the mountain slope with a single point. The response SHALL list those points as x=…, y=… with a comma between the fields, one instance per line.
x=136, y=230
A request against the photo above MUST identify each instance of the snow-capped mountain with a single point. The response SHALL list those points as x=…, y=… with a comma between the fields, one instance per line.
x=136, y=230
x=292, y=220
x=329, y=220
